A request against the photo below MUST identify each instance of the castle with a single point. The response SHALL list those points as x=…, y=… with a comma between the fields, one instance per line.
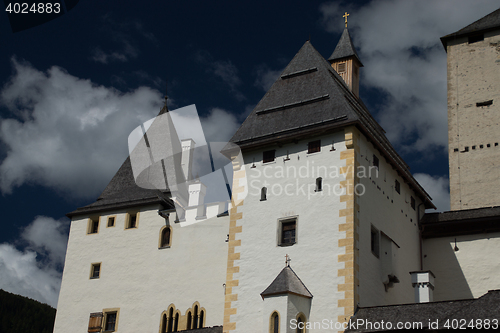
x=326, y=223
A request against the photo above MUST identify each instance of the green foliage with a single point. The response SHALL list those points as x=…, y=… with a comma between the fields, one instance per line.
x=20, y=314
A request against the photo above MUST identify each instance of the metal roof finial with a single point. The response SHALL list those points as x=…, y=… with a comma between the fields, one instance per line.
x=345, y=16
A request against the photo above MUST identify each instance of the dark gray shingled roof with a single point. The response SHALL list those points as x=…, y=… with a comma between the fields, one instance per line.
x=484, y=307
x=287, y=282
x=345, y=48
x=461, y=222
x=310, y=98
x=489, y=22
x=122, y=192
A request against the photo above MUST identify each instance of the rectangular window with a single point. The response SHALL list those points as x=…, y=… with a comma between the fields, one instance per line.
x=398, y=187
x=95, y=271
x=341, y=67
x=375, y=242
x=93, y=225
x=131, y=220
x=476, y=38
x=268, y=156
x=375, y=161
x=486, y=103
x=110, y=323
x=314, y=146
x=287, y=232
x=111, y=221
x=413, y=203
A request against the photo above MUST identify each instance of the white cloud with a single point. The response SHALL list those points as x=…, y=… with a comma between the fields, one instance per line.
x=219, y=125
x=48, y=236
x=266, y=77
x=438, y=189
x=67, y=133
x=398, y=43
x=35, y=272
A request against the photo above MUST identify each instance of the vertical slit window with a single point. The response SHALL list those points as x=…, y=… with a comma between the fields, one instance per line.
x=319, y=184
x=263, y=194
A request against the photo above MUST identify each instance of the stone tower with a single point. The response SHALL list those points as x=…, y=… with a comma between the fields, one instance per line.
x=474, y=113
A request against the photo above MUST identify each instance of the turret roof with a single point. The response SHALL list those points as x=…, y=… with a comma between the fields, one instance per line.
x=287, y=282
x=345, y=48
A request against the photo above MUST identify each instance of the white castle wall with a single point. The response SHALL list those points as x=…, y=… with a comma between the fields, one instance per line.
x=314, y=256
x=390, y=213
x=137, y=277
x=467, y=273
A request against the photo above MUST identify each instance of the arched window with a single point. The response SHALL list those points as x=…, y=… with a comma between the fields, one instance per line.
x=165, y=237
x=275, y=323
x=189, y=321
x=202, y=318
x=170, y=320
x=319, y=184
x=263, y=194
x=195, y=317
x=301, y=323
x=164, y=323
x=176, y=323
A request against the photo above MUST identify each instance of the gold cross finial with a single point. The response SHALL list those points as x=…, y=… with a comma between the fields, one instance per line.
x=287, y=260
x=345, y=16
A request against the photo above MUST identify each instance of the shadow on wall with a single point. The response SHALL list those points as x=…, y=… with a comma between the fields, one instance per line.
x=441, y=258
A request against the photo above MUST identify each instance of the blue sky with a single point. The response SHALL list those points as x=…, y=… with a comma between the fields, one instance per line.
x=72, y=90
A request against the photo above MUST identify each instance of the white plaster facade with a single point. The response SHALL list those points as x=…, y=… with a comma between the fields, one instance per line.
x=139, y=278
x=467, y=273
x=391, y=214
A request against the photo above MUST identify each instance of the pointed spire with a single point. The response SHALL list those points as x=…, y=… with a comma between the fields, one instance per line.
x=164, y=109
x=345, y=48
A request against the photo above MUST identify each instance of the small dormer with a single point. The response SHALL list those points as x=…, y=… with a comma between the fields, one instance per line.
x=345, y=61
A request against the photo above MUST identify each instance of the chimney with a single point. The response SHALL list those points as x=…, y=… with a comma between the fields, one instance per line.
x=187, y=157
x=197, y=192
x=423, y=283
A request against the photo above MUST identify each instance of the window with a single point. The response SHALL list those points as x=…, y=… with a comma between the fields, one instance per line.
x=170, y=325
x=375, y=161
x=412, y=203
x=486, y=103
x=263, y=194
x=319, y=184
x=95, y=322
x=131, y=220
x=110, y=322
x=287, y=232
x=397, y=187
x=202, y=319
x=195, y=317
x=341, y=67
x=375, y=242
x=189, y=321
x=111, y=221
x=476, y=38
x=274, y=325
x=268, y=156
x=301, y=322
x=165, y=237
x=93, y=226
x=95, y=270
x=314, y=146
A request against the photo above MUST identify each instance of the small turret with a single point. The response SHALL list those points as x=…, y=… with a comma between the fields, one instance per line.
x=345, y=60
